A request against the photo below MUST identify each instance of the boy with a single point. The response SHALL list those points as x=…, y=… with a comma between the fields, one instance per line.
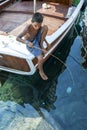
x=34, y=36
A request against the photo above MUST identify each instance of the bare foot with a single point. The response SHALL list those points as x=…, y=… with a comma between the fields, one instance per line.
x=43, y=75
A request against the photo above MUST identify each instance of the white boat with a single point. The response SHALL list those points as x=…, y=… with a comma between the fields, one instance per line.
x=60, y=18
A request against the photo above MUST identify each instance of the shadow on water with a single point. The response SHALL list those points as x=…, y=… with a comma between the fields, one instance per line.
x=32, y=89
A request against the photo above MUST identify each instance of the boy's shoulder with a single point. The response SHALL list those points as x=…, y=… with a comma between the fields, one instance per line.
x=27, y=28
x=29, y=25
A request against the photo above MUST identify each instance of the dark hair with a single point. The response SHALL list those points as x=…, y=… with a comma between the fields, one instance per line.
x=37, y=17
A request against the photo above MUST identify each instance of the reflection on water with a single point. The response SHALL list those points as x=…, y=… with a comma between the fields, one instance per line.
x=32, y=89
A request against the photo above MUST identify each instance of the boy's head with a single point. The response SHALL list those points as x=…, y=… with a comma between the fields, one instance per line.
x=37, y=20
x=37, y=17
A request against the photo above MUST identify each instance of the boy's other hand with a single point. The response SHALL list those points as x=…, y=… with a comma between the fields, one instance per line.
x=30, y=44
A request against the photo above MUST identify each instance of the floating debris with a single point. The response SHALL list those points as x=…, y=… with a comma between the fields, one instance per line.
x=69, y=89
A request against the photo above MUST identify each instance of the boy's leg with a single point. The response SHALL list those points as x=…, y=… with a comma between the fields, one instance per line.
x=40, y=66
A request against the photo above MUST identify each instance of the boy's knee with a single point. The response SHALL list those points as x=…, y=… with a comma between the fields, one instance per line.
x=40, y=57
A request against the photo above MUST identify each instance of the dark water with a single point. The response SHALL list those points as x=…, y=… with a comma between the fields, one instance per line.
x=71, y=105
x=64, y=96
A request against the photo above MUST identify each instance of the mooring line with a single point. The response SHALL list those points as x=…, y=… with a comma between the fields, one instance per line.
x=61, y=62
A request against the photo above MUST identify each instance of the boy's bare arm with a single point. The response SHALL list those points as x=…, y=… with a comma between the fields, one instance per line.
x=19, y=37
x=30, y=44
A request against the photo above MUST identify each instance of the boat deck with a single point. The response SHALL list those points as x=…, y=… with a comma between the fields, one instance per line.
x=17, y=16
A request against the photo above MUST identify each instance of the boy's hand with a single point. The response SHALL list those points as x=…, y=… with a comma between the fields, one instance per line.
x=30, y=44
x=44, y=51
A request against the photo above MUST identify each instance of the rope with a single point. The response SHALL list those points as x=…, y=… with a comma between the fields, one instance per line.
x=75, y=60
x=59, y=61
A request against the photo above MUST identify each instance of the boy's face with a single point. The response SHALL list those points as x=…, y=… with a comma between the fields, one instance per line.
x=36, y=25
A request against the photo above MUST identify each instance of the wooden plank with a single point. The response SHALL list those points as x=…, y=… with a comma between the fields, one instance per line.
x=56, y=14
x=13, y=18
x=5, y=3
